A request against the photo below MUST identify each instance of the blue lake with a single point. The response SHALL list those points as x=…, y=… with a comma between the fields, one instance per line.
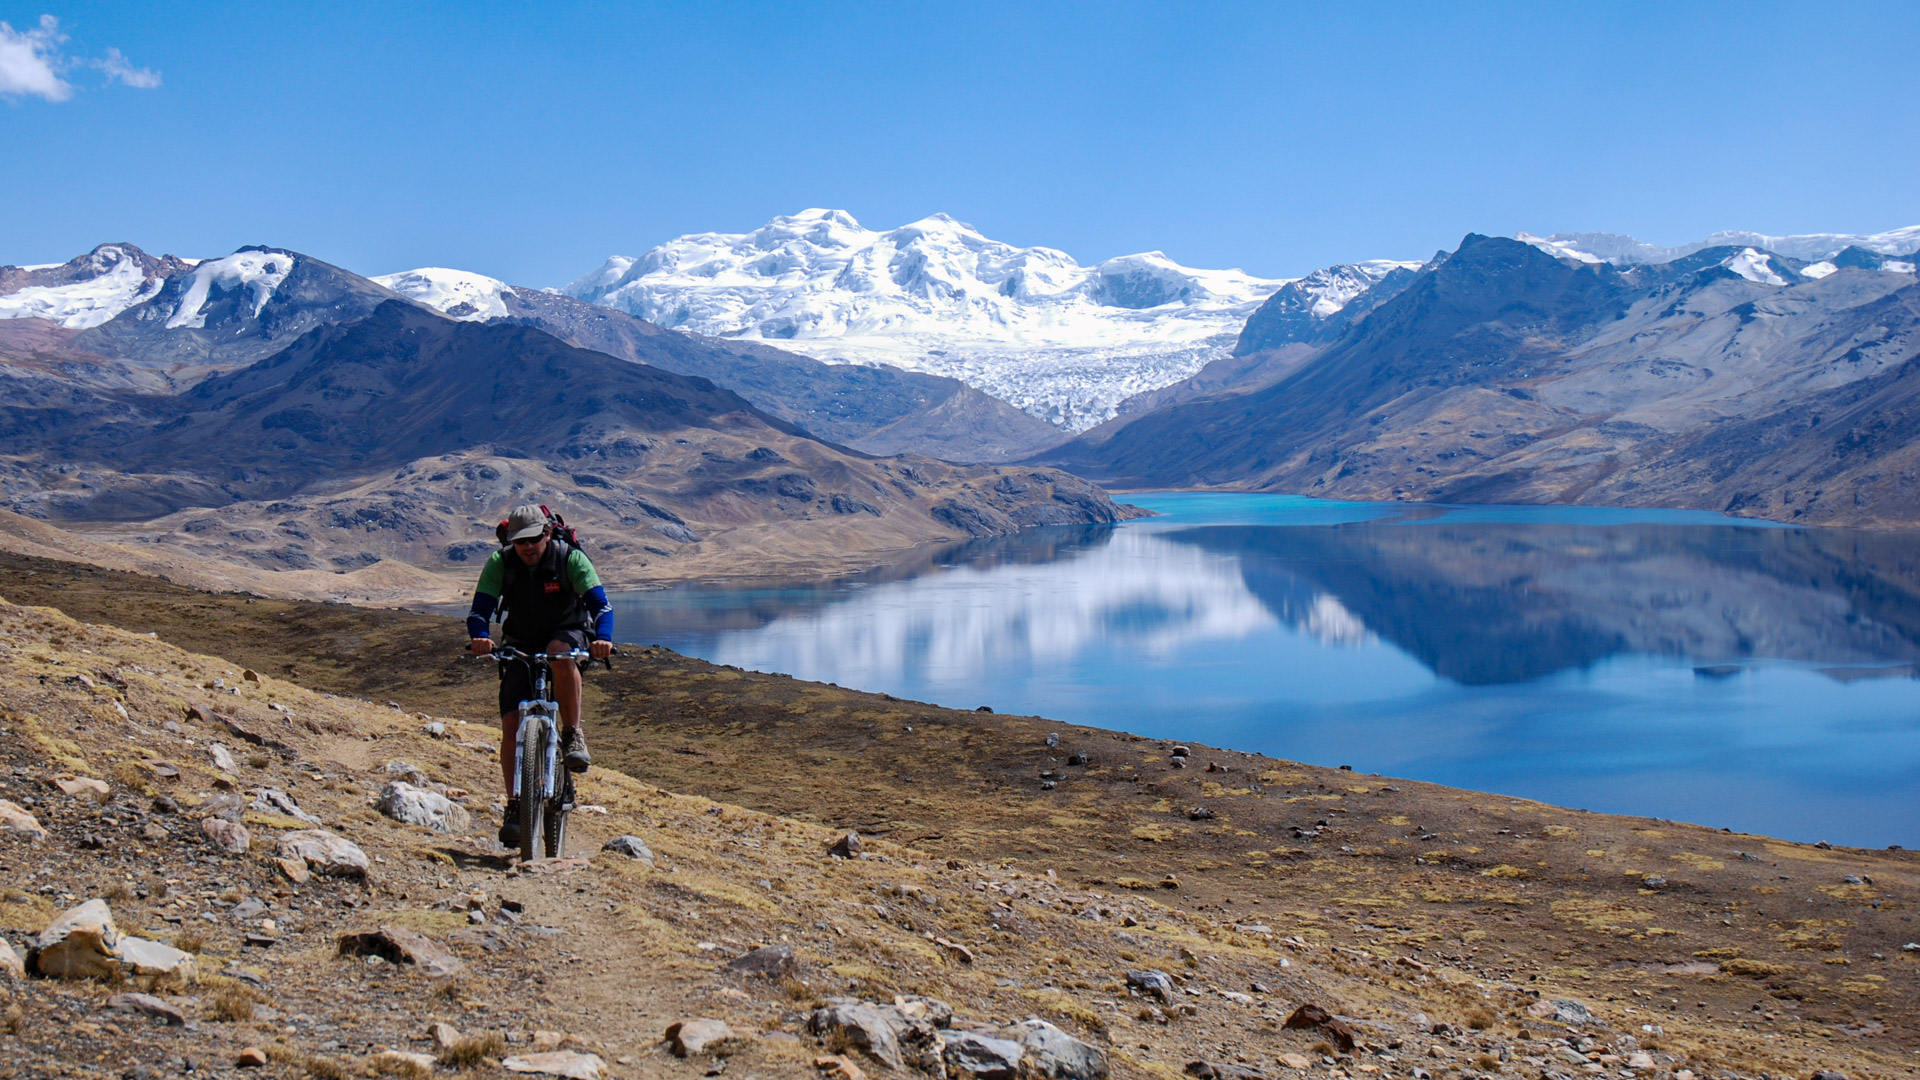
x=1674, y=664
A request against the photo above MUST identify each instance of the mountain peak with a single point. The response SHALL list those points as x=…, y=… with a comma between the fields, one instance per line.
x=1029, y=325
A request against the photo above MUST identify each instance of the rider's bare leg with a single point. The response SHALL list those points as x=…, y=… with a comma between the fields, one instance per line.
x=509, y=738
x=566, y=687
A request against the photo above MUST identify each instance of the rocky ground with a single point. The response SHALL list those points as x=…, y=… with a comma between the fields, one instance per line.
x=1156, y=913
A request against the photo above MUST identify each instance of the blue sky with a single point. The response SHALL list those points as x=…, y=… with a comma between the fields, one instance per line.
x=530, y=141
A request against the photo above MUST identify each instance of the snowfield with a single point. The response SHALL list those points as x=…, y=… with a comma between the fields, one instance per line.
x=260, y=271
x=1065, y=342
x=119, y=283
x=459, y=293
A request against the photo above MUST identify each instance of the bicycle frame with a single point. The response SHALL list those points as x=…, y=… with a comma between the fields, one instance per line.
x=544, y=789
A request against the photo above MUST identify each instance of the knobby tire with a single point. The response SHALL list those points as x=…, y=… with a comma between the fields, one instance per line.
x=534, y=792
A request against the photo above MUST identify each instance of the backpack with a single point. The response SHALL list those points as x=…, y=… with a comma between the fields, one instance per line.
x=557, y=524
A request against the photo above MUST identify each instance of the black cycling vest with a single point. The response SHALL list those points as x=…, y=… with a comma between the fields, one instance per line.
x=539, y=599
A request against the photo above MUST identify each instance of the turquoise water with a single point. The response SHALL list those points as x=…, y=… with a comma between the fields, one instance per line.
x=1669, y=663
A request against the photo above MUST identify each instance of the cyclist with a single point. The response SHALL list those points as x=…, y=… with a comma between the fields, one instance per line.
x=554, y=603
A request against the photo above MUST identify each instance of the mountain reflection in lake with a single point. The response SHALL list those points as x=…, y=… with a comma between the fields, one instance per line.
x=1675, y=665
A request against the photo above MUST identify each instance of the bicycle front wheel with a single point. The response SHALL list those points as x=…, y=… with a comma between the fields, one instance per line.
x=557, y=818
x=536, y=748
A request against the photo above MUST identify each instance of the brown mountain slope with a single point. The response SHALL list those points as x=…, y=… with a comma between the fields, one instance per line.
x=1447, y=927
x=403, y=436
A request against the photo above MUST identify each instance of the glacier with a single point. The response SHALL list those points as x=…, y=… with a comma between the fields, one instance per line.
x=1031, y=326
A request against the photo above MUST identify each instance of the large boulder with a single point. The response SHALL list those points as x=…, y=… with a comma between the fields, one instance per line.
x=972, y=1056
x=143, y=957
x=403, y=802
x=1053, y=1053
x=80, y=944
x=865, y=1027
x=325, y=853
x=398, y=945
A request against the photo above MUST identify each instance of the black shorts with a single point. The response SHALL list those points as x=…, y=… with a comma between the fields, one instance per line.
x=516, y=678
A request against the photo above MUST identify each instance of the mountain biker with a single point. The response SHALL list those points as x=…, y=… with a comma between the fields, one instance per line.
x=555, y=603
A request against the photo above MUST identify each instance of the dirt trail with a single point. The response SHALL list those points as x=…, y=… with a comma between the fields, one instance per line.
x=1260, y=884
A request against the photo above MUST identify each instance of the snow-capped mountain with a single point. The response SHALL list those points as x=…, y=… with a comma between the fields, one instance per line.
x=1811, y=247
x=88, y=290
x=1031, y=326
x=460, y=294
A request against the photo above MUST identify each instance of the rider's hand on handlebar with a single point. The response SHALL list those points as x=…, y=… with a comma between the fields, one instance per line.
x=480, y=646
x=600, y=649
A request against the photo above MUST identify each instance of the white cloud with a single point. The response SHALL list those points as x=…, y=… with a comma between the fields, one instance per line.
x=31, y=64
x=117, y=67
x=28, y=60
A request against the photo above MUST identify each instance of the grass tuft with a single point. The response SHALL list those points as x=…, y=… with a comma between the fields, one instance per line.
x=473, y=1051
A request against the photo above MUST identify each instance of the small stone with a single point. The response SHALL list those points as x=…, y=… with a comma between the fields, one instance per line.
x=435, y=730
x=222, y=757
x=87, y=786
x=548, y=1040
x=1220, y=1070
x=410, y=805
x=631, y=846
x=274, y=801
x=1313, y=1016
x=250, y=675
x=251, y=1058
x=1200, y=813
x=444, y=1035
x=79, y=944
x=1153, y=983
x=1053, y=739
x=1296, y=1061
x=1654, y=882
x=401, y=946
x=147, y=1005
x=387, y=1062
x=836, y=1067
x=229, y=836
x=767, y=962
x=847, y=847
x=17, y=823
x=690, y=1038
x=325, y=853
x=165, y=804
x=1078, y=757
x=1829, y=1074
x=294, y=869
x=1640, y=1059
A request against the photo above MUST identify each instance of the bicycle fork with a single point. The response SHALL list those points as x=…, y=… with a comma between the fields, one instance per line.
x=533, y=716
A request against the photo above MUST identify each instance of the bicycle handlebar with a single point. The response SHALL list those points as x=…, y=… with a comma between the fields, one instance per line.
x=508, y=652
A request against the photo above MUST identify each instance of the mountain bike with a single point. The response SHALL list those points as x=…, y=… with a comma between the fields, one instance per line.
x=543, y=785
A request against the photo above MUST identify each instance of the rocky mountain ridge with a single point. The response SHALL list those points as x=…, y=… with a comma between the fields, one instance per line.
x=118, y=318
x=1729, y=379
x=398, y=439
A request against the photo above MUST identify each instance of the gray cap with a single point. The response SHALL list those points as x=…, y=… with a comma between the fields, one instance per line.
x=525, y=523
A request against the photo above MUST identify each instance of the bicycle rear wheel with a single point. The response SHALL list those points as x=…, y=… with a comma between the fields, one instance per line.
x=534, y=792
